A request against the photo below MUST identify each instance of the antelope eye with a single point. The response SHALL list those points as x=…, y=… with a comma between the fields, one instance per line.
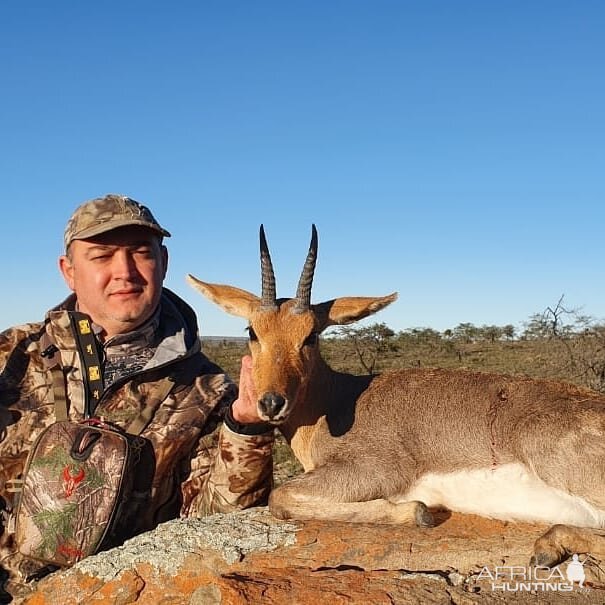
x=251, y=334
x=310, y=340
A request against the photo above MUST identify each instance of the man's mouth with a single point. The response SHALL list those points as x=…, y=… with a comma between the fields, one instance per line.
x=126, y=293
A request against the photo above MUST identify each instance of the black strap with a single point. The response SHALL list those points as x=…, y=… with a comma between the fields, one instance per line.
x=256, y=428
x=92, y=377
x=92, y=372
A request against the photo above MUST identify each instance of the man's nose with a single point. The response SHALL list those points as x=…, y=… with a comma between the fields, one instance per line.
x=124, y=264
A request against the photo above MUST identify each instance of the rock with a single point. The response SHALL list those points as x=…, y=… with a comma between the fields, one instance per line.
x=251, y=557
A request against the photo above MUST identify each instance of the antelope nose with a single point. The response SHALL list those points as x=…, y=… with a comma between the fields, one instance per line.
x=271, y=404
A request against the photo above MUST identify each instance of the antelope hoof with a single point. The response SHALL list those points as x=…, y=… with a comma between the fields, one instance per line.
x=549, y=549
x=544, y=559
x=424, y=517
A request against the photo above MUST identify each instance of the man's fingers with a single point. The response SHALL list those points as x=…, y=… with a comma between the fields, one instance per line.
x=245, y=370
x=246, y=385
x=244, y=407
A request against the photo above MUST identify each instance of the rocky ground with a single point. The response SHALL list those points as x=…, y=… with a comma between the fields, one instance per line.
x=250, y=557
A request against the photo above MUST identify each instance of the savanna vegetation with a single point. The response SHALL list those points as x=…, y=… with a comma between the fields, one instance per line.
x=557, y=343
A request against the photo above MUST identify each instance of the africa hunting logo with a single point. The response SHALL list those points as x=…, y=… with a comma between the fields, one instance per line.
x=516, y=578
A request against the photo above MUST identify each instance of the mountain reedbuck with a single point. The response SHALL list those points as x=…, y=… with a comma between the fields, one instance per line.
x=382, y=448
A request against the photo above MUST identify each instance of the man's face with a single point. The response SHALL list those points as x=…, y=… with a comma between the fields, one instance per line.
x=117, y=277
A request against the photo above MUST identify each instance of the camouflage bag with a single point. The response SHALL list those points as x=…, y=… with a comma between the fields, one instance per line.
x=84, y=487
x=85, y=484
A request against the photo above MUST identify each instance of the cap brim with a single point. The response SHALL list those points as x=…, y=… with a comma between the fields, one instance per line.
x=111, y=225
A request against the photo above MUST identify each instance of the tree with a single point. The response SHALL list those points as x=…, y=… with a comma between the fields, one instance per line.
x=368, y=343
x=508, y=331
x=422, y=335
x=557, y=321
x=466, y=332
x=580, y=338
x=491, y=333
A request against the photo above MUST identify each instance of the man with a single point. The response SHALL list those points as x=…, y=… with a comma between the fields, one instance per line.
x=115, y=264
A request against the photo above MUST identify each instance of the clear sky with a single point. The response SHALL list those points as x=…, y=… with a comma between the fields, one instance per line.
x=453, y=151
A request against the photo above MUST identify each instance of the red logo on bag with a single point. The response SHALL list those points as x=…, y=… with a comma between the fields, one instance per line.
x=70, y=482
x=70, y=551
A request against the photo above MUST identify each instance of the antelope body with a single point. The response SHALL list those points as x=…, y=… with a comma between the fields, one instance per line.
x=384, y=448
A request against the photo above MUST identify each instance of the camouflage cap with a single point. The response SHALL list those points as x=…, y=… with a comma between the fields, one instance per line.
x=107, y=213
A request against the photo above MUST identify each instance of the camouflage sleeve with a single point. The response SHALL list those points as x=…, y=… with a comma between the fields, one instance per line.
x=24, y=389
x=14, y=359
x=234, y=472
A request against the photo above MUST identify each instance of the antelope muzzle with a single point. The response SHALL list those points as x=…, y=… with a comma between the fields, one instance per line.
x=273, y=407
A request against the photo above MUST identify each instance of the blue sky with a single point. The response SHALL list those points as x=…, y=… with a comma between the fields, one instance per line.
x=451, y=151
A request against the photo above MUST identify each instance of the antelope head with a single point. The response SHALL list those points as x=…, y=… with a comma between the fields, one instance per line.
x=284, y=332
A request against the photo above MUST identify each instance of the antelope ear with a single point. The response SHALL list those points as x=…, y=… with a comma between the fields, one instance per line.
x=348, y=309
x=232, y=300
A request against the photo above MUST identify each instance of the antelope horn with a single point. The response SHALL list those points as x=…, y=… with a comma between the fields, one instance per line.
x=268, y=297
x=303, y=292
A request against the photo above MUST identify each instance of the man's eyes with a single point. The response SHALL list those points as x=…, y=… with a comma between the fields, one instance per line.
x=140, y=252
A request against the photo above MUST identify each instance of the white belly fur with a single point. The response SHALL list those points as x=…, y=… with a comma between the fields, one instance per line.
x=508, y=492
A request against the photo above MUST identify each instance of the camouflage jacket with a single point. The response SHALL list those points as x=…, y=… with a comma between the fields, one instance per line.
x=197, y=472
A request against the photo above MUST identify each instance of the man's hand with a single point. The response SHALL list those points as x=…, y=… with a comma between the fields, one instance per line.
x=244, y=408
